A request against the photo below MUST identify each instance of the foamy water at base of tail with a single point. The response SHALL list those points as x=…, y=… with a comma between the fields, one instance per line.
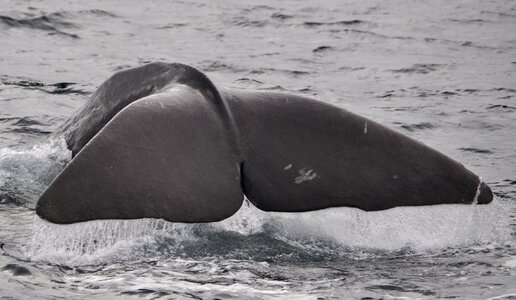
x=349, y=231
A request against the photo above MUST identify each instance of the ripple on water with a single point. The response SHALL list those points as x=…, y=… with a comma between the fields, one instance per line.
x=52, y=23
x=267, y=255
x=58, y=88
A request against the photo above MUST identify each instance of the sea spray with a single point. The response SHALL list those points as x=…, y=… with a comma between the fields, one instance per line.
x=421, y=228
x=100, y=241
x=103, y=241
x=347, y=231
x=25, y=173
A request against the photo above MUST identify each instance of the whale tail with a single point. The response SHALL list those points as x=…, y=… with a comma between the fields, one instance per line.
x=160, y=141
x=152, y=142
x=302, y=154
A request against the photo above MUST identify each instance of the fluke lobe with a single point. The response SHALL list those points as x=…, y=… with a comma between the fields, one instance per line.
x=161, y=141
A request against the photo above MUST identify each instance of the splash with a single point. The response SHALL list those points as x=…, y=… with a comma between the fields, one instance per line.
x=101, y=241
x=25, y=173
x=421, y=229
x=97, y=242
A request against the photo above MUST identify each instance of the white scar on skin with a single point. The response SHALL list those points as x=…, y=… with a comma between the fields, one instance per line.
x=365, y=128
x=477, y=193
x=288, y=167
x=305, y=175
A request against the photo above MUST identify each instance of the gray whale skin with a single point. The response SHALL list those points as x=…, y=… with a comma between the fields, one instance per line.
x=161, y=141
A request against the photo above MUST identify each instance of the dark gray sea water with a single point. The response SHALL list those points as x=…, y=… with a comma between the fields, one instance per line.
x=442, y=72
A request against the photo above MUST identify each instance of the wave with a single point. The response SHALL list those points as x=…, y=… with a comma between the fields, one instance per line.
x=344, y=23
x=242, y=21
x=419, y=68
x=476, y=150
x=50, y=23
x=418, y=126
x=216, y=66
x=98, y=12
x=281, y=16
x=322, y=49
x=58, y=88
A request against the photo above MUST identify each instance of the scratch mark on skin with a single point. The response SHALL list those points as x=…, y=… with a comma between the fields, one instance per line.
x=305, y=175
x=365, y=128
x=199, y=93
x=288, y=167
x=477, y=193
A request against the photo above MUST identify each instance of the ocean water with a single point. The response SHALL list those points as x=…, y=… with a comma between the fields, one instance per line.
x=441, y=72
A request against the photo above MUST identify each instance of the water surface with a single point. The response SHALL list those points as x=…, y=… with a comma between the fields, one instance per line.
x=441, y=72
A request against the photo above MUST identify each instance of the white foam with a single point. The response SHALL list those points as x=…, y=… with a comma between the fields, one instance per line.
x=248, y=220
x=420, y=228
x=511, y=263
x=26, y=172
x=98, y=241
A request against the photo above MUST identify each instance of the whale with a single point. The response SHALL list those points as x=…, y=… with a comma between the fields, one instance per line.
x=162, y=141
